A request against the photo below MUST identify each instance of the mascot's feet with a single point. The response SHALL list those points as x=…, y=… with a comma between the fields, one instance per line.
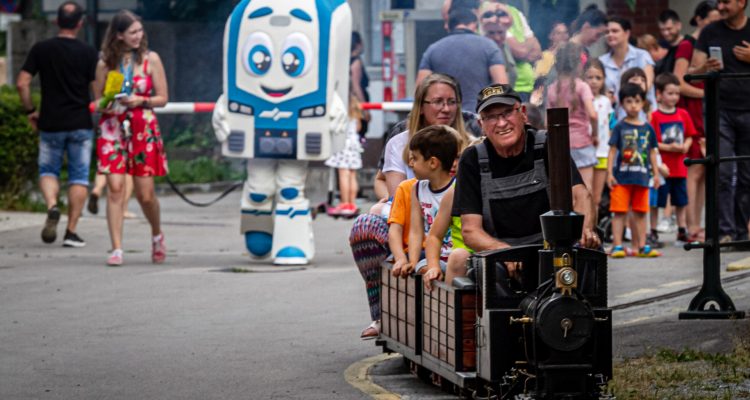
x=258, y=244
x=290, y=256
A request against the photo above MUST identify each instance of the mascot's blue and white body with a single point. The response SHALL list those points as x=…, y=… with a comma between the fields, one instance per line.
x=286, y=85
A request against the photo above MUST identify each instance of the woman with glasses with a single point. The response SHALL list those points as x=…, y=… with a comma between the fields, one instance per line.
x=437, y=101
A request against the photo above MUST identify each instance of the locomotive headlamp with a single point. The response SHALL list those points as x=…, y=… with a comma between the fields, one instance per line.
x=567, y=277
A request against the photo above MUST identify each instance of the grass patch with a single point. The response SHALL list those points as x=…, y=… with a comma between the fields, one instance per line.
x=687, y=374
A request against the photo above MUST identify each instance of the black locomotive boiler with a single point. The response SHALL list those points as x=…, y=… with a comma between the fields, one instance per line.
x=546, y=334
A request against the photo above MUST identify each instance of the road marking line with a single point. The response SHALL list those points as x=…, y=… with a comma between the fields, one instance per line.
x=739, y=265
x=358, y=375
x=636, y=293
x=678, y=283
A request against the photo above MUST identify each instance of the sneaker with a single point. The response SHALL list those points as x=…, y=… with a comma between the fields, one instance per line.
x=115, y=258
x=726, y=239
x=72, y=240
x=664, y=225
x=348, y=209
x=93, y=205
x=49, y=232
x=371, y=332
x=627, y=235
x=682, y=238
x=652, y=239
x=648, y=252
x=618, y=252
x=158, y=250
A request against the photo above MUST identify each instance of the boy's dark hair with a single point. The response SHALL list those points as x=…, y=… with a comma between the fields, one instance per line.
x=623, y=22
x=667, y=78
x=669, y=15
x=460, y=16
x=439, y=141
x=631, y=90
x=69, y=14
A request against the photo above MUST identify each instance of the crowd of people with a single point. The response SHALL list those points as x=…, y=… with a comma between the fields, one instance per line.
x=466, y=171
x=448, y=190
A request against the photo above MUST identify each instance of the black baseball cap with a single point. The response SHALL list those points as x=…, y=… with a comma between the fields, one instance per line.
x=497, y=93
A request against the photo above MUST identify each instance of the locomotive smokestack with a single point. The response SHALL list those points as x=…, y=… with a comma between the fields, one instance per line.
x=558, y=148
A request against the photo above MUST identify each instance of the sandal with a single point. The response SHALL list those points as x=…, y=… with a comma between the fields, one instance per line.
x=371, y=332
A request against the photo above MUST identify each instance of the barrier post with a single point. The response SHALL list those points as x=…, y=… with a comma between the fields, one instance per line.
x=712, y=302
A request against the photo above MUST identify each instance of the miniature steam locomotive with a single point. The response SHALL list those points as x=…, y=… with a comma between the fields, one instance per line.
x=546, y=334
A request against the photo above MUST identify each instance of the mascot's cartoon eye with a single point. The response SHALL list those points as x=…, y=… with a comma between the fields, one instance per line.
x=296, y=55
x=257, y=54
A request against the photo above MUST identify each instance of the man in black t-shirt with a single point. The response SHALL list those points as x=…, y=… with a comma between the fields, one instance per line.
x=66, y=68
x=731, y=36
x=501, y=184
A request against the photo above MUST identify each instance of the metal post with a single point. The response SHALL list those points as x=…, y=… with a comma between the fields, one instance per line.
x=711, y=302
x=92, y=15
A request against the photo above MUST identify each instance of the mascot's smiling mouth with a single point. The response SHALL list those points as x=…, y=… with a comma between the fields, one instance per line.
x=276, y=92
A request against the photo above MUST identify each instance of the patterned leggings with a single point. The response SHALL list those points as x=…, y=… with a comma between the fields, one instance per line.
x=369, y=242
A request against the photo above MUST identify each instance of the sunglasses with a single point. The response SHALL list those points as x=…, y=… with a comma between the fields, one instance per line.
x=498, y=13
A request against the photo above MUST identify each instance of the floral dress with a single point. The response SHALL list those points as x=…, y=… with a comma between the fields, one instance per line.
x=130, y=141
x=350, y=157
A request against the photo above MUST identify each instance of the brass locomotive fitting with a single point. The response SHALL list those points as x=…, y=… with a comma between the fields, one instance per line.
x=562, y=261
x=566, y=279
x=522, y=320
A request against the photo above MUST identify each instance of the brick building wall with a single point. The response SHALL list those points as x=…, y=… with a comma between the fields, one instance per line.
x=643, y=19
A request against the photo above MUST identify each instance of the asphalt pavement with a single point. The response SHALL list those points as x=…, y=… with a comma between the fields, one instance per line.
x=210, y=324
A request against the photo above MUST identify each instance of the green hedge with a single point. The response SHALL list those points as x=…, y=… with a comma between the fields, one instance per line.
x=19, y=146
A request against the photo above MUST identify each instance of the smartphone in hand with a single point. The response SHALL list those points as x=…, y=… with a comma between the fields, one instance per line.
x=715, y=52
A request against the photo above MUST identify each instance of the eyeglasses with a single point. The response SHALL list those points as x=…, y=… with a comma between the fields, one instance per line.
x=494, y=118
x=490, y=14
x=440, y=103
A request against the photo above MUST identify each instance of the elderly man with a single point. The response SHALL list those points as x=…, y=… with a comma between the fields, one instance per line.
x=501, y=185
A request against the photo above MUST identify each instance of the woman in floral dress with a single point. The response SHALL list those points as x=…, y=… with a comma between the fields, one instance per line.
x=130, y=142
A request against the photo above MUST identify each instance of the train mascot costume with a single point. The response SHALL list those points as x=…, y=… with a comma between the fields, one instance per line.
x=286, y=86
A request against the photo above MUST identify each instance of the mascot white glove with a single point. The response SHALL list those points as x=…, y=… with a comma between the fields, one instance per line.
x=219, y=119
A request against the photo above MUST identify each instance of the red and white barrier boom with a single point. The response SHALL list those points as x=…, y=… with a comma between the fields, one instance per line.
x=193, y=108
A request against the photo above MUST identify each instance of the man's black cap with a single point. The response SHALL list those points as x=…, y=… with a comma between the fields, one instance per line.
x=497, y=93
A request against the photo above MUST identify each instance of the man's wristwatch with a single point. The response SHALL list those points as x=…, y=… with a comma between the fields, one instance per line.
x=29, y=112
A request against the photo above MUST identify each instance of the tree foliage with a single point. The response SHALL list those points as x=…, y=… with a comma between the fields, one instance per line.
x=186, y=10
x=18, y=147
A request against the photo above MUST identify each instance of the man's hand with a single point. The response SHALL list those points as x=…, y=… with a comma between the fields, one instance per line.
x=742, y=52
x=34, y=119
x=431, y=275
x=712, y=65
x=657, y=181
x=590, y=239
x=514, y=269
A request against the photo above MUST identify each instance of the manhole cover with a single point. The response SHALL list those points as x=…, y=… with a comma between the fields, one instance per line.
x=260, y=269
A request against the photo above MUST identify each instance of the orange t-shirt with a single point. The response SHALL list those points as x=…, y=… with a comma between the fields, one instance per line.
x=400, y=210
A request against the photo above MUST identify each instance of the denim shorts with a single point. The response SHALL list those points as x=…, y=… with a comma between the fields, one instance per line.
x=584, y=156
x=77, y=144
